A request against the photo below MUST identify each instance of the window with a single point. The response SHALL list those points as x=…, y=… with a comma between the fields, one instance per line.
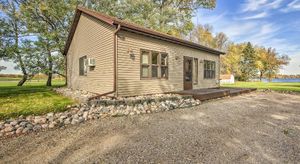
x=83, y=66
x=195, y=72
x=209, y=69
x=164, y=65
x=154, y=64
x=145, y=64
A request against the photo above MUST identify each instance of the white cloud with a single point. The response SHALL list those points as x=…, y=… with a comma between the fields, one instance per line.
x=237, y=29
x=261, y=5
x=293, y=6
x=264, y=32
x=275, y=4
x=252, y=5
x=208, y=19
x=257, y=16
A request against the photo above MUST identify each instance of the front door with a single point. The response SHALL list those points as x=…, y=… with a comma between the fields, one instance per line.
x=187, y=73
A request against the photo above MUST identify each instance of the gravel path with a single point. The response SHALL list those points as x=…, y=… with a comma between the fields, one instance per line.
x=252, y=128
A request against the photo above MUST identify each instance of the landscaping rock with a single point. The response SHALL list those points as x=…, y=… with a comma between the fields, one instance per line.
x=52, y=125
x=25, y=130
x=37, y=127
x=40, y=120
x=14, y=123
x=45, y=126
x=67, y=121
x=74, y=121
x=10, y=133
x=19, y=130
x=100, y=108
x=29, y=126
x=85, y=115
x=80, y=119
x=23, y=124
x=63, y=117
x=79, y=95
x=9, y=129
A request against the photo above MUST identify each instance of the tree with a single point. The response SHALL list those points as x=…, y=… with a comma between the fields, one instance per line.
x=50, y=21
x=49, y=60
x=202, y=34
x=221, y=41
x=230, y=62
x=173, y=17
x=247, y=63
x=12, y=32
x=269, y=62
x=262, y=61
x=274, y=63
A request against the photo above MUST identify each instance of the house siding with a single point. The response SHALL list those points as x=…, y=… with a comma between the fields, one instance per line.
x=129, y=82
x=94, y=39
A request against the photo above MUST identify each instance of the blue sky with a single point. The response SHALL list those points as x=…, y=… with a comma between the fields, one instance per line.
x=270, y=23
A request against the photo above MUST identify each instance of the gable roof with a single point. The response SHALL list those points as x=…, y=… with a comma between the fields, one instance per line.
x=132, y=28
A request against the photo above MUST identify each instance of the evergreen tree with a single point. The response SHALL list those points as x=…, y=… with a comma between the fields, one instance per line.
x=247, y=63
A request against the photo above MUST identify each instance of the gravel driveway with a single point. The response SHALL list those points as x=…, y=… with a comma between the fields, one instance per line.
x=251, y=128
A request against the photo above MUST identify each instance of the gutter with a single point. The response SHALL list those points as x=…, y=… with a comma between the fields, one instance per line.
x=115, y=65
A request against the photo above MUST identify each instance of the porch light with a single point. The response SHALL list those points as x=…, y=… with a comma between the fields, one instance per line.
x=131, y=54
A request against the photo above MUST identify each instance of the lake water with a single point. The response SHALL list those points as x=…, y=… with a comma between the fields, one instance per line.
x=283, y=80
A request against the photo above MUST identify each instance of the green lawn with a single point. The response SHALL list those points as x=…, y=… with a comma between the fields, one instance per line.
x=32, y=98
x=294, y=87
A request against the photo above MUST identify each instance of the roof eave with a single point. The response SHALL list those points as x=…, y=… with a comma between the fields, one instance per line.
x=128, y=27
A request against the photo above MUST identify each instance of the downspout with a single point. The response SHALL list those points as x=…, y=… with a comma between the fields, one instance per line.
x=114, y=65
x=115, y=58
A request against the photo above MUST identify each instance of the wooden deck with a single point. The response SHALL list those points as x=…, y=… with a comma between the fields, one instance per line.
x=212, y=93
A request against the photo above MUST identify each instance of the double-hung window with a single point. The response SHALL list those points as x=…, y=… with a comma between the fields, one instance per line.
x=145, y=64
x=164, y=65
x=209, y=69
x=154, y=65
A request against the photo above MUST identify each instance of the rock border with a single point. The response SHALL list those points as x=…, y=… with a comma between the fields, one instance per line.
x=96, y=109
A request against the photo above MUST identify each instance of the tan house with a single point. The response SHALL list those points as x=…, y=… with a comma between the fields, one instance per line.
x=106, y=55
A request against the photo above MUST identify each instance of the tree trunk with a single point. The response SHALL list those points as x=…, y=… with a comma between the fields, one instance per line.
x=25, y=75
x=270, y=76
x=23, y=80
x=50, y=68
x=19, y=57
x=260, y=76
x=49, y=80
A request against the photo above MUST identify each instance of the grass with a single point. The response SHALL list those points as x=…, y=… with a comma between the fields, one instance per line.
x=32, y=98
x=292, y=87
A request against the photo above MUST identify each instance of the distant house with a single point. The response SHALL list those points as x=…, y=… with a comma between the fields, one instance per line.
x=227, y=79
x=106, y=55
